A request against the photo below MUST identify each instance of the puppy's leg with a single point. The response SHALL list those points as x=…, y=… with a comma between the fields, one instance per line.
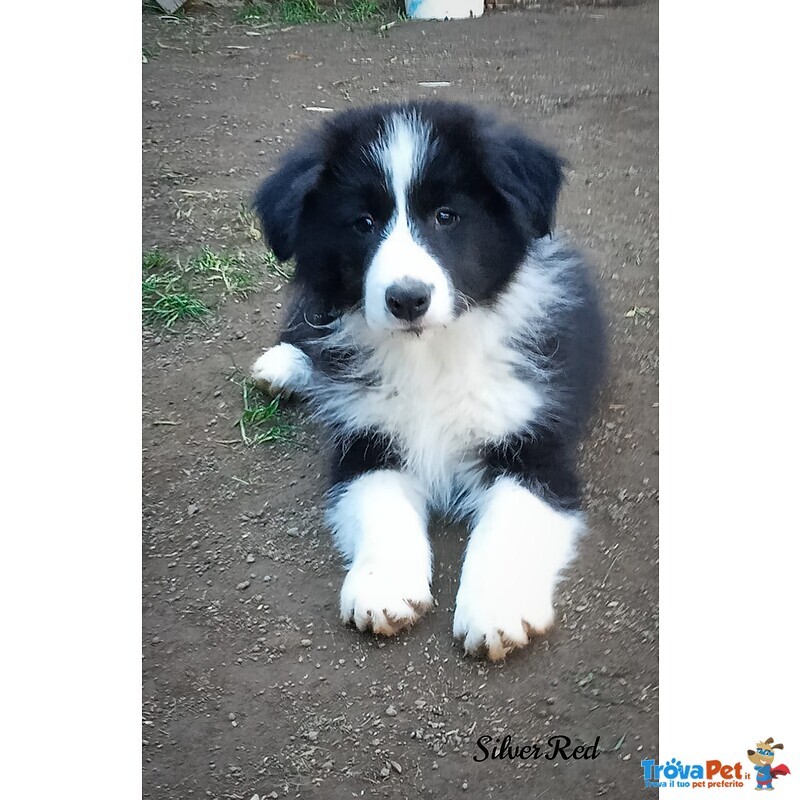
x=379, y=520
x=285, y=369
x=522, y=539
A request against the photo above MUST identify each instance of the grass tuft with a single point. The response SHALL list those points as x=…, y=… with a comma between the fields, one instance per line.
x=172, y=292
x=285, y=271
x=260, y=420
x=166, y=298
x=304, y=12
x=363, y=10
x=237, y=275
x=253, y=12
x=299, y=12
x=247, y=219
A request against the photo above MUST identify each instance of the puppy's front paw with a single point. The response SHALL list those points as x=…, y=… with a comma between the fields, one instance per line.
x=385, y=597
x=513, y=564
x=283, y=369
x=499, y=608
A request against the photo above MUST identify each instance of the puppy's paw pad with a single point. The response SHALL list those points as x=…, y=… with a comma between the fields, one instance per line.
x=283, y=369
x=384, y=598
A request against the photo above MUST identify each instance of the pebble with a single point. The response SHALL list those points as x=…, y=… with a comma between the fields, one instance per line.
x=250, y=558
x=305, y=642
x=391, y=711
x=195, y=544
x=192, y=509
x=243, y=585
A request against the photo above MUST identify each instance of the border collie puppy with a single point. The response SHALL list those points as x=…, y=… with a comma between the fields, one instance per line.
x=452, y=346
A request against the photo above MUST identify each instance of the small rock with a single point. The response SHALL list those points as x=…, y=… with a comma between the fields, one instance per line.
x=391, y=711
x=465, y=786
x=396, y=767
x=195, y=544
x=250, y=558
x=305, y=642
x=231, y=716
x=239, y=334
x=243, y=585
x=193, y=509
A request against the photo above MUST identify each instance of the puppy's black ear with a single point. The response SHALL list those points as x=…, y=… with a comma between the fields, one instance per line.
x=528, y=175
x=279, y=201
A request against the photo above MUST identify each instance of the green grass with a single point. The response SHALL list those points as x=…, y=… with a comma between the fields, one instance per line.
x=253, y=12
x=166, y=299
x=363, y=10
x=303, y=12
x=299, y=12
x=261, y=421
x=172, y=292
x=232, y=272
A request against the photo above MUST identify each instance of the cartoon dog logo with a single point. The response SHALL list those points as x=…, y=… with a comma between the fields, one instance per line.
x=762, y=757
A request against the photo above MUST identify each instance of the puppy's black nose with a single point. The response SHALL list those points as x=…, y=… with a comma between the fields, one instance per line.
x=408, y=299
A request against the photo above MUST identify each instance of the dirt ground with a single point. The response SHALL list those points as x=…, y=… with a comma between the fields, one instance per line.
x=251, y=685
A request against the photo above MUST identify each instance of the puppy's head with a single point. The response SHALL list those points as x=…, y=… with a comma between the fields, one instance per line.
x=412, y=213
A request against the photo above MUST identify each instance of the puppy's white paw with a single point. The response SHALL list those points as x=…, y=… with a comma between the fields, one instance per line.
x=283, y=369
x=498, y=608
x=385, y=596
x=512, y=566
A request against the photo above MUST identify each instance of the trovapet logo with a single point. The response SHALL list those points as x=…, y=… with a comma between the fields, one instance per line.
x=716, y=774
x=676, y=774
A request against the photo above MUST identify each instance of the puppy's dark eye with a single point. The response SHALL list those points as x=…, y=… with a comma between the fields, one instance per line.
x=446, y=217
x=364, y=224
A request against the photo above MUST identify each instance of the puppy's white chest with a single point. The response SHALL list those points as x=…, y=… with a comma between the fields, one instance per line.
x=443, y=394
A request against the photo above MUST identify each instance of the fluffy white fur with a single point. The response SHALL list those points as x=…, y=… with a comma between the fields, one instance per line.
x=400, y=155
x=283, y=369
x=444, y=392
x=379, y=523
x=517, y=550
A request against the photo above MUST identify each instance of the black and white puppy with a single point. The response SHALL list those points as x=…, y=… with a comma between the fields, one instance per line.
x=451, y=344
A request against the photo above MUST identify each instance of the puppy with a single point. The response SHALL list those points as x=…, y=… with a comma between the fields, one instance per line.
x=451, y=344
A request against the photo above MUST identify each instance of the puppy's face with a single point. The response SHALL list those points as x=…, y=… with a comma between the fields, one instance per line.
x=410, y=213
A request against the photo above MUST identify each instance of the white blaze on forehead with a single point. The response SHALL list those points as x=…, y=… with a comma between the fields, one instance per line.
x=400, y=154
